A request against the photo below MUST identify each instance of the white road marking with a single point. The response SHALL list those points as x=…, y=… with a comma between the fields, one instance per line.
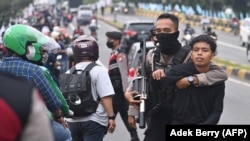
x=231, y=46
x=239, y=82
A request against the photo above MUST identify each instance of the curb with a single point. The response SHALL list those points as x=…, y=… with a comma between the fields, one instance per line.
x=219, y=24
x=242, y=74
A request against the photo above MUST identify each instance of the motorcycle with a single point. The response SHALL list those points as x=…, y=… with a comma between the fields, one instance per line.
x=235, y=28
x=94, y=34
x=93, y=31
x=186, y=39
x=205, y=26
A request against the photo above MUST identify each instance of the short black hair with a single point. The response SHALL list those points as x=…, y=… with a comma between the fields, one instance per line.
x=204, y=38
x=172, y=17
x=152, y=31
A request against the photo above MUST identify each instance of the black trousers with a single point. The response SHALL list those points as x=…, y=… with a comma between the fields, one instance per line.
x=121, y=105
x=156, y=126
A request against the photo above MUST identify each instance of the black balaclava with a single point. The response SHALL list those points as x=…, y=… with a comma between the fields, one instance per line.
x=168, y=43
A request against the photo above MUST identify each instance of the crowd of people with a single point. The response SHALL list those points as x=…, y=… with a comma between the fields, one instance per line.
x=184, y=86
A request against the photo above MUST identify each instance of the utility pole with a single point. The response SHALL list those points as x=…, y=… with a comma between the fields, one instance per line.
x=163, y=4
x=211, y=6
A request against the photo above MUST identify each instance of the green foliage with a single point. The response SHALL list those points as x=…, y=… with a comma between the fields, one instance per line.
x=89, y=1
x=11, y=8
x=216, y=5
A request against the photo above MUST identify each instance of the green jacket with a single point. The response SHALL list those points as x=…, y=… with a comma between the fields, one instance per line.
x=65, y=106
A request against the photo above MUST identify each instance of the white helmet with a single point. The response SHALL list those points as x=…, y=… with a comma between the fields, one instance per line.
x=45, y=30
x=93, y=20
x=56, y=28
x=25, y=22
x=55, y=34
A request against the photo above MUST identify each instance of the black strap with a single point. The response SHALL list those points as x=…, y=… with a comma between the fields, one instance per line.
x=181, y=55
x=87, y=69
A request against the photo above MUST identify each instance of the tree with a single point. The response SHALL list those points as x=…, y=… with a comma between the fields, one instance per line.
x=11, y=8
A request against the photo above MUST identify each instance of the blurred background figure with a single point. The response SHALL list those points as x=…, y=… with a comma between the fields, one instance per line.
x=205, y=22
x=93, y=28
x=22, y=117
x=2, y=48
x=235, y=25
x=78, y=30
x=188, y=34
x=211, y=33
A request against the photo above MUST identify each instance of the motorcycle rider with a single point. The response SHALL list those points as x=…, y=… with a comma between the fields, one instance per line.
x=60, y=133
x=235, y=23
x=23, y=46
x=211, y=33
x=188, y=34
x=93, y=27
x=189, y=29
x=78, y=30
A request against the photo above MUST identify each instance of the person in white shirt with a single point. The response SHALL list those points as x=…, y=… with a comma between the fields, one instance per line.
x=95, y=126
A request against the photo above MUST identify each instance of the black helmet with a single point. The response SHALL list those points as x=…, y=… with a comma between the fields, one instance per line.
x=85, y=46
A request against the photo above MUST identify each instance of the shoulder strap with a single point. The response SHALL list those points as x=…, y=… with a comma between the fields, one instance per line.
x=89, y=67
x=72, y=70
x=156, y=57
x=181, y=55
x=120, y=50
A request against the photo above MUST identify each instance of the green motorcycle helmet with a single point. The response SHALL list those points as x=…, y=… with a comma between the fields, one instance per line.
x=18, y=38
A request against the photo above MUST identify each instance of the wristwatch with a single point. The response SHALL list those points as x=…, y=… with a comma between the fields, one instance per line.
x=191, y=80
x=111, y=117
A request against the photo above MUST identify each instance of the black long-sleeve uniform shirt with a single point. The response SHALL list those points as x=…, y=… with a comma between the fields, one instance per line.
x=195, y=105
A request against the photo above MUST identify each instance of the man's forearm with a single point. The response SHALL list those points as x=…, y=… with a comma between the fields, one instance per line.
x=216, y=75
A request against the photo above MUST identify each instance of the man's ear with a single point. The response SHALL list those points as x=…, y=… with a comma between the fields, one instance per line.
x=214, y=54
x=191, y=55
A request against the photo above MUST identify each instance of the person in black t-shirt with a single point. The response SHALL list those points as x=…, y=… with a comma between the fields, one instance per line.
x=197, y=105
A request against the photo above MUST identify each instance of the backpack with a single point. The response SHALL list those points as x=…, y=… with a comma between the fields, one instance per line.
x=76, y=89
